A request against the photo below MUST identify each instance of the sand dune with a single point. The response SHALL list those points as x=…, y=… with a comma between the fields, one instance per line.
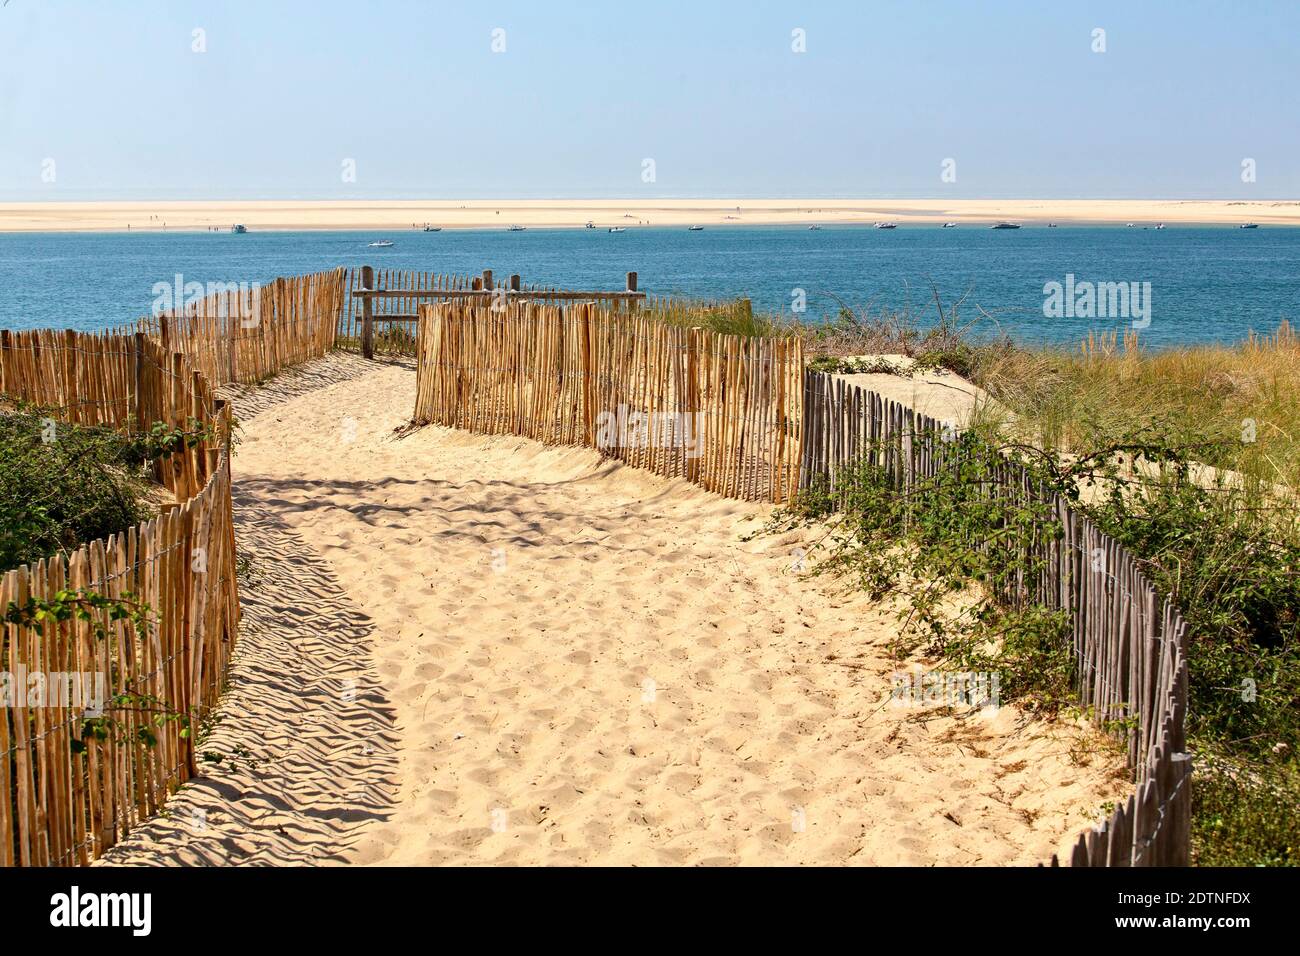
x=559, y=660
x=575, y=213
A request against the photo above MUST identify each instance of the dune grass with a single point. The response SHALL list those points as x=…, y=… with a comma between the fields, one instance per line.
x=1222, y=541
x=1240, y=403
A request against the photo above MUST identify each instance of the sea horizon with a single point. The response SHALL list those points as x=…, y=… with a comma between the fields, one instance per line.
x=1190, y=285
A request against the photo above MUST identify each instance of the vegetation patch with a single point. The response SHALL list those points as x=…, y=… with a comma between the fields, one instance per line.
x=1222, y=543
x=64, y=485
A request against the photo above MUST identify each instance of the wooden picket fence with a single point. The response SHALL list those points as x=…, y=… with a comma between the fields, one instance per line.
x=59, y=807
x=719, y=410
x=1130, y=648
x=247, y=334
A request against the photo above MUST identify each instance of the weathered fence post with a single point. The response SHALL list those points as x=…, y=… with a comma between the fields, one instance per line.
x=233, y=344
x=514, y=282
x=367, y=313
x=694, y=413
x=71, y=397
x=588, y=380
x=487, y=279
x=629, y=304
x=140, y=424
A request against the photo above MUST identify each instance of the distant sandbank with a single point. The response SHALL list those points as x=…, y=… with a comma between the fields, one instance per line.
x=176, y=216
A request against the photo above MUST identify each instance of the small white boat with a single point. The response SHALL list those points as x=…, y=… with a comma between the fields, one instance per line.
x=381, y=244
x=1249, y=225
x=1006, y=225
x=239, y=229
x=1051, y=225
x=950, y=225
x=617, y=229
x=886, y=225
x=1160, y=225
x=591, y=225
x=694, y=228
x=1128, y=225
x=516, y=228
x=433, y=228
x=813, y=228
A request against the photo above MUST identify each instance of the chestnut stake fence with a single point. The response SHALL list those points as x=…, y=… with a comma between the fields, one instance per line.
x=247, y=334
x=723, y=411
x=1130, y=647
x=58, y=806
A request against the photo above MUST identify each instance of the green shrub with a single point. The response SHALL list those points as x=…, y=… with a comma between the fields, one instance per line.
x=61, y=493
x=1241, y=817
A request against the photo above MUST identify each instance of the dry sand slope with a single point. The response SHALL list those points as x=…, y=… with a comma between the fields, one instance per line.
x=588, y=665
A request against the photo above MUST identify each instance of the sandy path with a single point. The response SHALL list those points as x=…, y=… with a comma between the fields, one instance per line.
x=560, y=660
x=587, y=664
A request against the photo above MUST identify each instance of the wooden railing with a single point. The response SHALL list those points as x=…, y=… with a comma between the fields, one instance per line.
x=66, y=794
x=390, y=301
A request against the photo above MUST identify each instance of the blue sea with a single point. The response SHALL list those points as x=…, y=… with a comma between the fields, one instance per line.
x=1210, y=284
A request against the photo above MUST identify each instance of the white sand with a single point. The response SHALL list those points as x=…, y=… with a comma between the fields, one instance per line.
x=512, y=605
x=942, y=394
x=575, y=213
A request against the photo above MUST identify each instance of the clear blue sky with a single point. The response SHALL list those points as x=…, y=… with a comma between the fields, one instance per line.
x=712, y=92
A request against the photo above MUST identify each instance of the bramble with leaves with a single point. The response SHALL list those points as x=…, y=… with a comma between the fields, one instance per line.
x=100, y=611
